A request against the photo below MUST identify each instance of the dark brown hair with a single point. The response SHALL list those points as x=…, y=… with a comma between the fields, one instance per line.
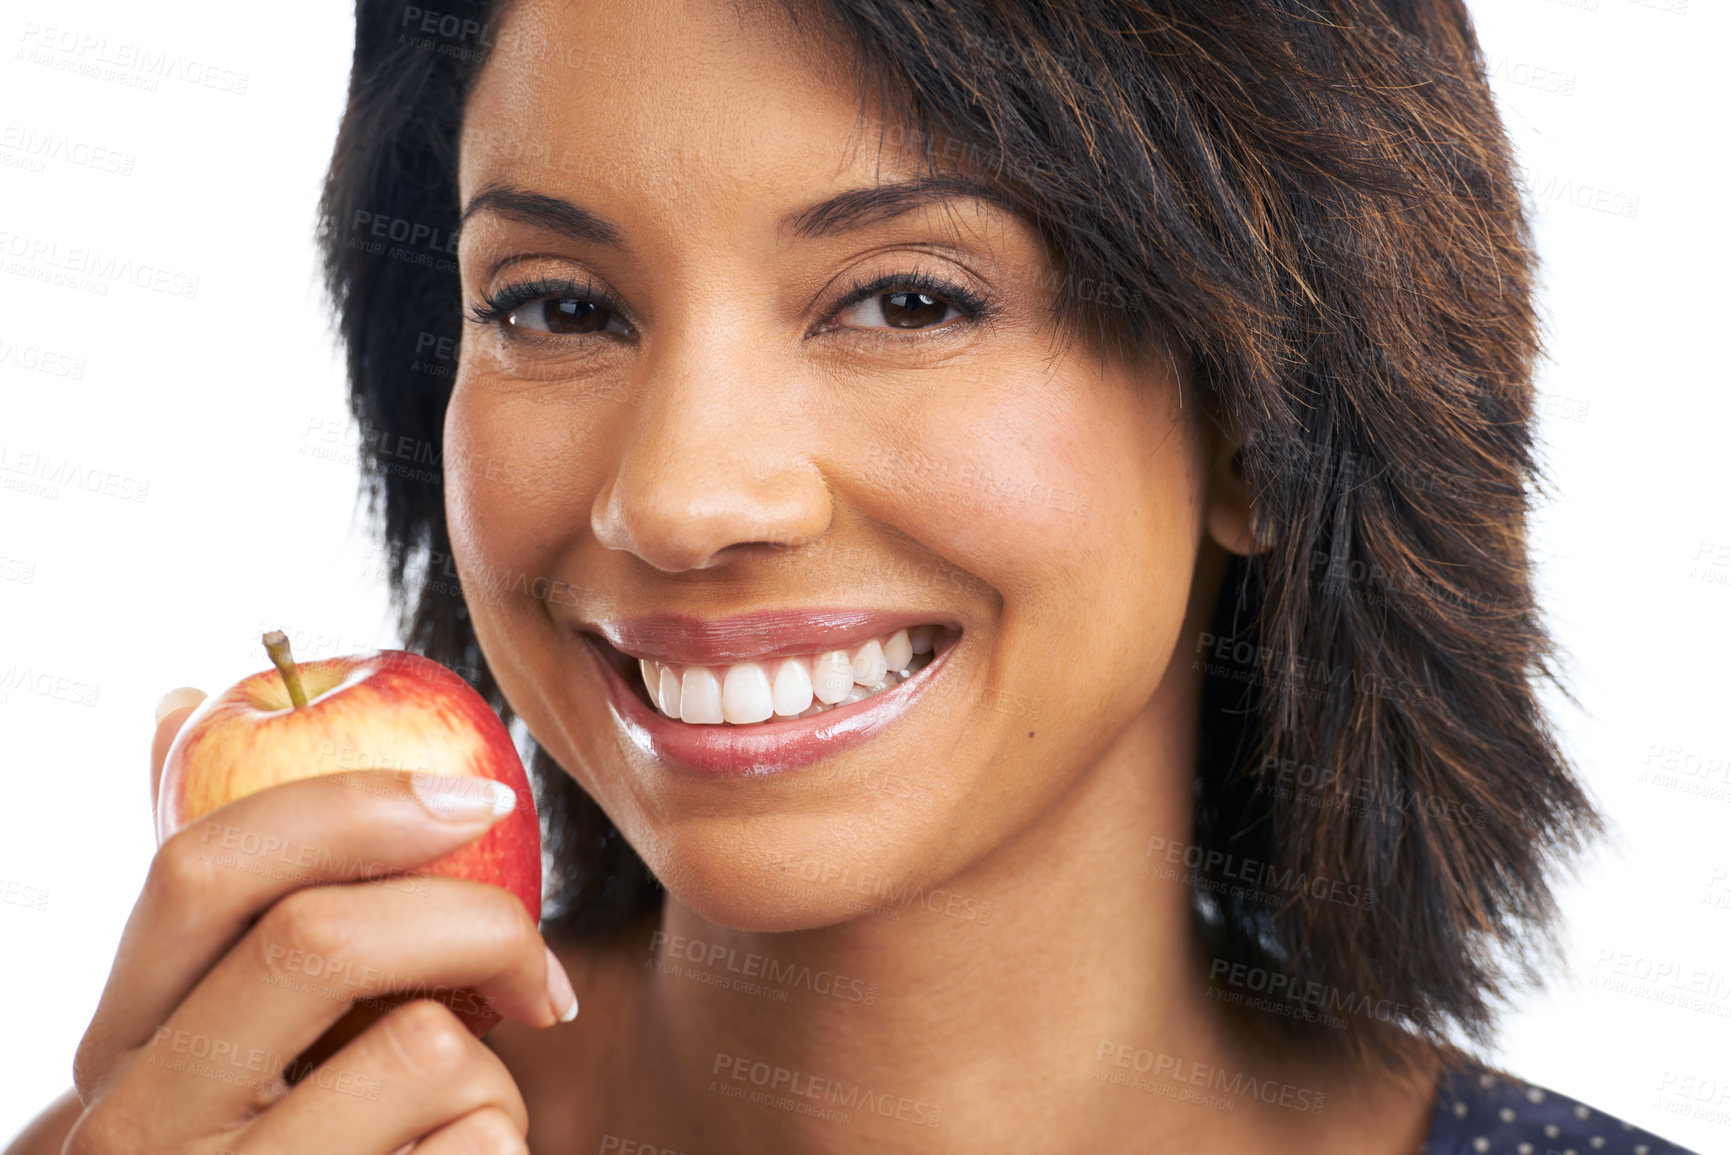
x=1314, y=205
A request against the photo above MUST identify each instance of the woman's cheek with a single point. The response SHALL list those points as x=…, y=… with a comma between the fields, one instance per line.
x=1028, y=481
x=1064, y=509
x=515, y=492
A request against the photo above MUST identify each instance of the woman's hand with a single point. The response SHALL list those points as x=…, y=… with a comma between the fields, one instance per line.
x=232, y=964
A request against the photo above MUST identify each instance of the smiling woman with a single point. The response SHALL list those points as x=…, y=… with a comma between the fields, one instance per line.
x=1170, y=383
x=1005, y=525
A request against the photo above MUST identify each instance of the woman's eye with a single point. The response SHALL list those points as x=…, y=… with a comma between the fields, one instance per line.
x=901, y=309
x=565, y=315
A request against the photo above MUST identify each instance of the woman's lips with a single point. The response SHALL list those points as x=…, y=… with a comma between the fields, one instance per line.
x=690, y=640
x=763, y=747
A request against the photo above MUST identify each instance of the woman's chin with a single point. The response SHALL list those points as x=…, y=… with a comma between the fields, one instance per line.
x=793, y=889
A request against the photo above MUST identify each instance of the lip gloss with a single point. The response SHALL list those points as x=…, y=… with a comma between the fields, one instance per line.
x=764, y=747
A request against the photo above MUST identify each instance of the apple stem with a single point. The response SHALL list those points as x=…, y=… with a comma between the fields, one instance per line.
x=276, y=644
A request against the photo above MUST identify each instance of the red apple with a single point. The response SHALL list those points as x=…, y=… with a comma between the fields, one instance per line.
x=385, y=710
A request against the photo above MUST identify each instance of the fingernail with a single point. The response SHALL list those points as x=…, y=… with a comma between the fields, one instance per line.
x=559, y=988
x=177, y=699
x=463, y=797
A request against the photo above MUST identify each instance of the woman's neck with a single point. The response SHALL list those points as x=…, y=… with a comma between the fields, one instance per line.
x=1050, y=998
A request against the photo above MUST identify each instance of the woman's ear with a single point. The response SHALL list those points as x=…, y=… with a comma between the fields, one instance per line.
x=1229, y=516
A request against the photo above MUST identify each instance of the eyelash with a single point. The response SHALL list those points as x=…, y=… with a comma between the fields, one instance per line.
x=507, y=299
x=973, y=306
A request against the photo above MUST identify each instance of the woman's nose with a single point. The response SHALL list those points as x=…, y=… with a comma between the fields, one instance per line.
x=711, y=459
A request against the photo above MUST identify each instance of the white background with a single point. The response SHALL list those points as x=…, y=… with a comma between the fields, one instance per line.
x=222, y=403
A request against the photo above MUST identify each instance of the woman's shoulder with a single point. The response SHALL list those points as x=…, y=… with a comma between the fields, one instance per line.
x=1480, y=1111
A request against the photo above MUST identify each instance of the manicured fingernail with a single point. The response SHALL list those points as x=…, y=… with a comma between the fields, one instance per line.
x=559, y=989
x=177, y=699
x=463, y=797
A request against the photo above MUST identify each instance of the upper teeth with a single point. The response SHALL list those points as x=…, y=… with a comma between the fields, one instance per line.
x=787, y=687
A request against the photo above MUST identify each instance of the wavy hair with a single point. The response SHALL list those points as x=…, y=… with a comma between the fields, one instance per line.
x=1312, y=203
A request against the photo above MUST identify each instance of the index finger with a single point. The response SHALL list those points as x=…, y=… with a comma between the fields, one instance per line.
x=212, y=879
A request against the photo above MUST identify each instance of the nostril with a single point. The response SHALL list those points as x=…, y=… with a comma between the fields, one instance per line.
x=683, y=512
x=668, y=541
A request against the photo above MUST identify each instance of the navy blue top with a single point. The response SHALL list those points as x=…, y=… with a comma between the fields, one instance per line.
x=1482, y=1112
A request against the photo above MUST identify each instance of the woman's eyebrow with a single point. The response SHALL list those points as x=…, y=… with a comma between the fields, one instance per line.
x=862, y=207
x=851, y=210
x=548, y=212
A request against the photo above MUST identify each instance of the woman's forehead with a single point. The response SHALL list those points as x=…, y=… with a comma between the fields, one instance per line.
x=697, y=124
x=666, y=90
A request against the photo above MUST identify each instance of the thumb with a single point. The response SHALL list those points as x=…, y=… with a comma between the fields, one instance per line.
x=174, y=709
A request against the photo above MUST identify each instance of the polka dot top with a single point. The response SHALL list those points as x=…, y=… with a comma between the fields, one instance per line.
x=1481, y=1112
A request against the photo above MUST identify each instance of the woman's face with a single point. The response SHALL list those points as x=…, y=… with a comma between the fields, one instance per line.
x=707, y=424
